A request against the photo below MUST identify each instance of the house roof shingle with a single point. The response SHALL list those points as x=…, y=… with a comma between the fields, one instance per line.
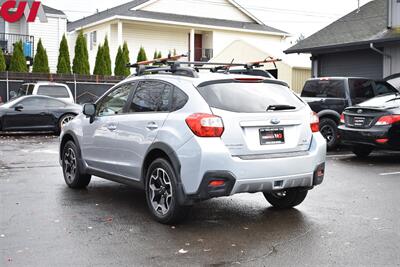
x=368, y=25
x=50, y=10
x=125, y=10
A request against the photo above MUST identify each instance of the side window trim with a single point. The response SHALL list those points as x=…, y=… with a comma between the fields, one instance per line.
x=148, y=112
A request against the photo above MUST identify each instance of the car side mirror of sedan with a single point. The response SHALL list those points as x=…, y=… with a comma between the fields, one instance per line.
x=18, y=107
x=90, y=111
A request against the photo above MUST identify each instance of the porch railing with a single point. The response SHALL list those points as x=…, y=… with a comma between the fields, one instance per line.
x=7, y=41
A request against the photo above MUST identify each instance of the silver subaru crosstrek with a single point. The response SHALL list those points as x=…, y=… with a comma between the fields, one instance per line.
x=185, y=139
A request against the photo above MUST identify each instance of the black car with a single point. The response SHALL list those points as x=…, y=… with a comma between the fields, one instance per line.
x=328, y=97
x=374, y=124
x=36, y=113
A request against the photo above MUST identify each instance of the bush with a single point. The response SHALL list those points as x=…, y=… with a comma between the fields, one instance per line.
x=159, y=54
x=100, y=67
x=64, y=61
x=41, y=61
x=81, y=59
x=141, y=55
x=18, y=60
x=107, y=58
x=126, y=59
x=155, y=54
x=3, y=66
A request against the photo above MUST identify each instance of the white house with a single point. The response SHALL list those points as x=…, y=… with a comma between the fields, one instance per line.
x=201, y=28
x=50, y=25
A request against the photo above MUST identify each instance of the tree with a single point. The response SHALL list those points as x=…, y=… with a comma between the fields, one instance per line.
x=155, y=54
x=119, y=63
x=100, y=67
x=64, y=61
x=159, y=55
x=81, y=59
x=41, y=61
x=107, y=57
x=141, y=55
x=174, y=52
x=126, y=59
x=18, y=60
x=3, y=65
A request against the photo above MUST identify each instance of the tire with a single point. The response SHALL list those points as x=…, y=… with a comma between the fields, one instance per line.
x=329, y=130
x=64, y=120
x=162, y=194
x=73, y=175
x=362, y=151
x=286, y=199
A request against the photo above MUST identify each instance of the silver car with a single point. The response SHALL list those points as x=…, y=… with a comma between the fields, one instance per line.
x=185, y=139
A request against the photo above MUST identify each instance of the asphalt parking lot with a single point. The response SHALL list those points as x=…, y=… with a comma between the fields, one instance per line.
x=352, y=219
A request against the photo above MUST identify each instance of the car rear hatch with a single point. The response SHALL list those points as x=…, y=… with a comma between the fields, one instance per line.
x=260, y=118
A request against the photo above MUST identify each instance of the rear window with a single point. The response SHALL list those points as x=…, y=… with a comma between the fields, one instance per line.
x=324, y=89
x=53, y=91
x=248, y=97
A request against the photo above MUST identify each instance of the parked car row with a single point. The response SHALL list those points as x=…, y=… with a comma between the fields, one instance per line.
x=329, y=97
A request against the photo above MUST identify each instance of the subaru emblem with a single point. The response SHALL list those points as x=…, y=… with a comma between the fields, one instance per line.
x=360, y=111
x=275, y=121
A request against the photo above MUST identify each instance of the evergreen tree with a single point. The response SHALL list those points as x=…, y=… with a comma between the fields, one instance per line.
x=141, y=55
x=175, y=52
x=41, y=61
x=107, y=58
x=64, y=61
x=100, y=67
x=119, y=63
x=3, y=65
x=18, y=60
x=155, y=54
x=81, y=59
x=126, y=59
x=63, y=67
x=159, y=55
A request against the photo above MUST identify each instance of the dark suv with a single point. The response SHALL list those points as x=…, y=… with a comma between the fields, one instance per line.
x=328, y=97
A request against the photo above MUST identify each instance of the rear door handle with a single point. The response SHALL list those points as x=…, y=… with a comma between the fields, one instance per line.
x=112, y=127
x=152, y=126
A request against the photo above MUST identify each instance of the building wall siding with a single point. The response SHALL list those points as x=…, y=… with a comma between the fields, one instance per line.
x=51, y=34
x=391, y=61
x=220, y=9
x=361, y=63
x=299, y=77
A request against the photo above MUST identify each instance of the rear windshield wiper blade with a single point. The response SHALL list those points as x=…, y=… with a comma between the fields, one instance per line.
x=393, y=99
x=280, y=107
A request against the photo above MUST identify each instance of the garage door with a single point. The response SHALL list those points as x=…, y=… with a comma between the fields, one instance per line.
x=361, y=63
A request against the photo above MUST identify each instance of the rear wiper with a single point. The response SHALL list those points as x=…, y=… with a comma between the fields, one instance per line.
x=280, y=107
x=394, y=99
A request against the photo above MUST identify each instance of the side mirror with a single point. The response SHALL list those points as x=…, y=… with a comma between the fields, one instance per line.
x=18, y=107
x=12, y=94
x=90, y=111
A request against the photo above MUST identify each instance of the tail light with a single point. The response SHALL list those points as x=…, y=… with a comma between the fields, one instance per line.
x=388, y=120
x=205, y=125
x=342, y=120
x=314, y=123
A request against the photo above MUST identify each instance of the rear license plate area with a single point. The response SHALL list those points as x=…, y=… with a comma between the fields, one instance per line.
x=272, y=136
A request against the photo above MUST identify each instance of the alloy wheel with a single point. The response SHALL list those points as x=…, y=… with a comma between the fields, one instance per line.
x=160, y=191
x=327, y=132
x=70, y=164
x=66, y=120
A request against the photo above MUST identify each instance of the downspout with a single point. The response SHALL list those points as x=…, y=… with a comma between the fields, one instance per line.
x=390, y=18
x=371, y=45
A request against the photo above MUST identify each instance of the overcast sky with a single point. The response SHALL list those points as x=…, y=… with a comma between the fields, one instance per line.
x=294, y=16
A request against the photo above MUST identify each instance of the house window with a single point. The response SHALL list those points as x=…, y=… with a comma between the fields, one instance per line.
x=93, y=40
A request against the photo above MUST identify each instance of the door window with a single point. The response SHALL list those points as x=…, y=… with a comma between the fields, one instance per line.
x=114, y=102
x=179, y=99
x=361, y=90
x=33, y=103
x=152, y=96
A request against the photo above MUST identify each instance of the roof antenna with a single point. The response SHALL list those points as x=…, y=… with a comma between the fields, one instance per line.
x=358, y=10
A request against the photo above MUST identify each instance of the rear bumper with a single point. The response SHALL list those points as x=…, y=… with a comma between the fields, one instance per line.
x=200, y=157
x=369, y=137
